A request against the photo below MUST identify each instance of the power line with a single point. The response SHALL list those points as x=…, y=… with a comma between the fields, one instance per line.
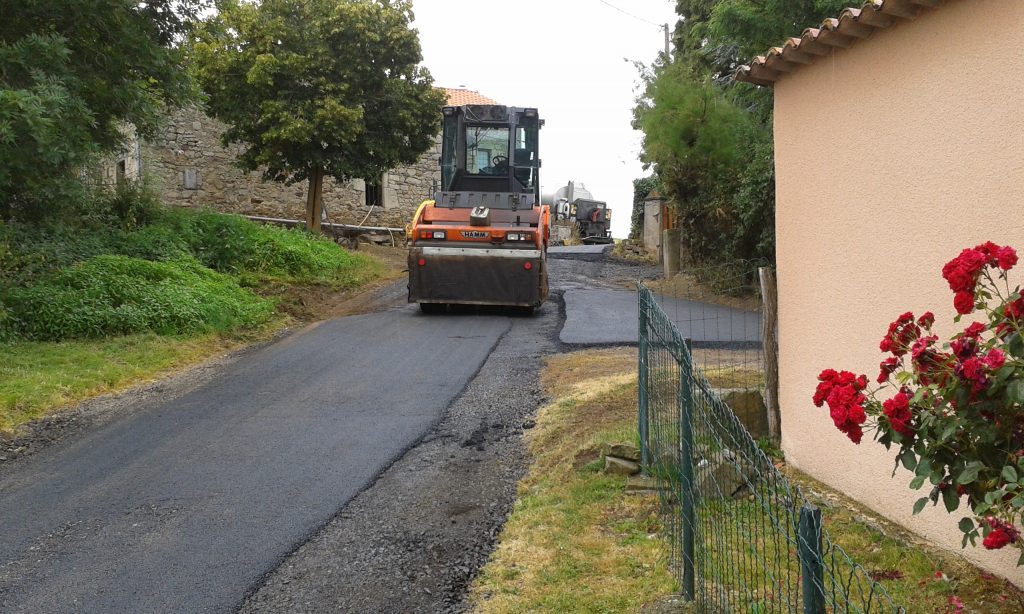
x=604, y=2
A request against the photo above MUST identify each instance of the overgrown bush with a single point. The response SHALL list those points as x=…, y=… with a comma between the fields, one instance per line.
x=226, y=243
x=181, y=271
x=954, y=410
x=118, y=295
x=233, y=244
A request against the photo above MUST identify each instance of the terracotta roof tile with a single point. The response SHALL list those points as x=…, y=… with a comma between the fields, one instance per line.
x=836, y=32
x=458, y=97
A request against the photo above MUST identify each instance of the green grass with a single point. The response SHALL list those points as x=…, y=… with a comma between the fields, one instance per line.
x=117, y=295
x=575, y=542
x=36, y=377
x=95, y=304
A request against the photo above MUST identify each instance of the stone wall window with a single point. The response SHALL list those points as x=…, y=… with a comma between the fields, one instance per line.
x=191, y=179
x=375, y=193
x=121, y=172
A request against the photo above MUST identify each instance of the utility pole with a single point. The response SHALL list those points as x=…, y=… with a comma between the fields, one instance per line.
x=668, y=51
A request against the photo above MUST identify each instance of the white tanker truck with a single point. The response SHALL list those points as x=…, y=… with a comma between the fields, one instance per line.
x=574, y=205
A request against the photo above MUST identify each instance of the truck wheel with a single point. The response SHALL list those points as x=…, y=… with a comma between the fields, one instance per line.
x=432, y=308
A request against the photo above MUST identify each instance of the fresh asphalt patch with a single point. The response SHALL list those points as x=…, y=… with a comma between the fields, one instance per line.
x=414, y=541
x=610, y=317
x=183, y=506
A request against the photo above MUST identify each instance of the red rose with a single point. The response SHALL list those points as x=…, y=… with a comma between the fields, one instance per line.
x=959, y=279
x=995, y=359
x=886, y=368
x=974, y=330
x=927, y=319
x=972, y=369
x=964, y=302
x=1007, y=258
x=996, y=539
x=897, y=409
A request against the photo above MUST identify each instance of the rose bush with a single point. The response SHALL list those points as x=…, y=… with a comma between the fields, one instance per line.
x=955, y=410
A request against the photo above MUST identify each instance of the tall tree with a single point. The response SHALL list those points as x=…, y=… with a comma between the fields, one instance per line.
x=316, y=88
x=71, y=73
x=709, y=139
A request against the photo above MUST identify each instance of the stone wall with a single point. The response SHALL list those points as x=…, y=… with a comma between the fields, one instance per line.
x=189, y=167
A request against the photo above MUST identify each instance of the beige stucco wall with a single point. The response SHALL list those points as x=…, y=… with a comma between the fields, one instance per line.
x=891, y=157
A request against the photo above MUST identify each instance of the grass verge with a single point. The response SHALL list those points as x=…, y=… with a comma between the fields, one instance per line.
x=576, y=543
x=920, y=578
x=38, y=376
x=95, y=308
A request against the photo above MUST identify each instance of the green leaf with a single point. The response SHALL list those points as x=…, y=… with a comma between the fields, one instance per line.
x=917, y=482
x=948, y=431
x=919, y=504
x=908, y=459
x=1015, y=345
x=1009, y=473
x=950, y=499
x=1015, y=391
x=970, y=473
x=966, y=525
x=924, y=467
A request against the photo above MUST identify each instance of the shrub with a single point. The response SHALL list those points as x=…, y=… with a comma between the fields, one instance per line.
x=117, y=295
x=233, y=244
x=956, y=410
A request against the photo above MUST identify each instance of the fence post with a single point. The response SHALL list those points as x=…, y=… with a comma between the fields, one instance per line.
x=809, y=551
x=642, y=400
x=770, y=321
x=688, y=493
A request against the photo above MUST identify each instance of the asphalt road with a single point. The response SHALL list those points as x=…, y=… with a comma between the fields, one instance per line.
x=184, y=505
x=606, y=317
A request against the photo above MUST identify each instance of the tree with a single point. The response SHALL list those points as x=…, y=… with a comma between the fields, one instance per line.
x=709, y=139
x=72, y=72
x=316, y=88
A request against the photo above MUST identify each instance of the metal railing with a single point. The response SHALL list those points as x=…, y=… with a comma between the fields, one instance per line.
x=743, y=538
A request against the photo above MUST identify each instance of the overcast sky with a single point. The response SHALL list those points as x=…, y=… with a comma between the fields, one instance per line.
x=572, y=59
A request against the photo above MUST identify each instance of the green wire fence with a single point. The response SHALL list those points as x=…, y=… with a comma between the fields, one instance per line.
x=743, y=538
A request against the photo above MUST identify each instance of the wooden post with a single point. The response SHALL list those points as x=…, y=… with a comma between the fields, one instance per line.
x=770, y=347
x=314, y=200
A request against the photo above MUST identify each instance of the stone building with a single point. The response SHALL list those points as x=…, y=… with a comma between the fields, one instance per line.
x=189, y=167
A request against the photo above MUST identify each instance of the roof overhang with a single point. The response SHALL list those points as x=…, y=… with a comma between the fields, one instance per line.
x=840, y=32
